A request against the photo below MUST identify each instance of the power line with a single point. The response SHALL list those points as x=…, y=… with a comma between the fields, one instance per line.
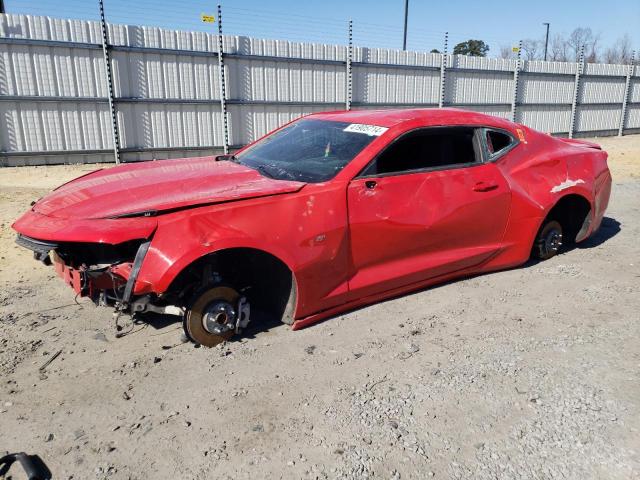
x=264, y=23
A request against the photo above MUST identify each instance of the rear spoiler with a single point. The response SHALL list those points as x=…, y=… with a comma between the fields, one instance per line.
x=581, y=143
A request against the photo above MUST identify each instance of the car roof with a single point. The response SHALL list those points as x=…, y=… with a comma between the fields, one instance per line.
x=427, y=117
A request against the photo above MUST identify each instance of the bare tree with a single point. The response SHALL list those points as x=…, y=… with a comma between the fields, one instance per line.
x=531, y=49
x=576, y=40
x=583, y=37
x=506, y=51
x=559, y=51
x=592, y=51
x=620, y=51
x=564, y=48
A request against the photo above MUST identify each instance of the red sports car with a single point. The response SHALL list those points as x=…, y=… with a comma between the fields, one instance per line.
x=329, y=212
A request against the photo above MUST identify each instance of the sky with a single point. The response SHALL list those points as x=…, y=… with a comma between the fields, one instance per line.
x=376, y=23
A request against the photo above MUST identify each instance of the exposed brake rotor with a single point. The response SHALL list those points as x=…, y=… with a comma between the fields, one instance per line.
x=215, y=316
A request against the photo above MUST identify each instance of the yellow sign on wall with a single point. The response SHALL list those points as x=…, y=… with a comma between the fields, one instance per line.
x=207, y=18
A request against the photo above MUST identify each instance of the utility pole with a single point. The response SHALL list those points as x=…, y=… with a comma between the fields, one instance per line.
x=546, y=42
x=2, y=6
x=406, y=16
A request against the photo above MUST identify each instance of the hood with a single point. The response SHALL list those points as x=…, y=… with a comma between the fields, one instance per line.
x=156, y=186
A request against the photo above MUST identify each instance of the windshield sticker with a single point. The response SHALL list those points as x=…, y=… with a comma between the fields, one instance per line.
x=371, y=130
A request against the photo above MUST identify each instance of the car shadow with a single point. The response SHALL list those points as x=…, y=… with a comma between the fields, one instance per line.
x=609, y=228
x=157, y=321
x=260, y=322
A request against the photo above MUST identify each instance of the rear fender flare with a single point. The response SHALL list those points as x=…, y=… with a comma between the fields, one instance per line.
x=580, y=190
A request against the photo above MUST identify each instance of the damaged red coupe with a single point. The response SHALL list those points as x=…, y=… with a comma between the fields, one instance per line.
x=328, y=213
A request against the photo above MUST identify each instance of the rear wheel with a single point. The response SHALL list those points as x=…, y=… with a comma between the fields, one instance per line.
x=215, y=314
x=548, y=241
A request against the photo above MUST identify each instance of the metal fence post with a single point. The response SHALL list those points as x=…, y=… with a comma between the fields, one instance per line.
x=107, y=63
x=576, y=92
x=625, y=98
x=516, y=74
x=443, y=72
x=349, y=82
x=222, y=84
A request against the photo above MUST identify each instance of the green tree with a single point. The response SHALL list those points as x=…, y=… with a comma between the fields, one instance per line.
x=435, y=50
x=475, y=48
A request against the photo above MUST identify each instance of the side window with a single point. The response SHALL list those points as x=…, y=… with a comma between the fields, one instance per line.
x=497, y=141
x=428, y=148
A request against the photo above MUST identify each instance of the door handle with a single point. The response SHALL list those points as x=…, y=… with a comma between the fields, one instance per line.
x=370, y=184
x=484, y=187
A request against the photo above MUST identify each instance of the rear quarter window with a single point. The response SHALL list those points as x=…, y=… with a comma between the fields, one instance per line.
x=498, y=143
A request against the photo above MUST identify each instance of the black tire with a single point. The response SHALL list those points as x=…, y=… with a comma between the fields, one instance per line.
x=548, y=241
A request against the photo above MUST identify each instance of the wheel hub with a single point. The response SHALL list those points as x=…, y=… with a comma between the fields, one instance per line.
x=216, y=315
x=553, y=241
x=219, y=317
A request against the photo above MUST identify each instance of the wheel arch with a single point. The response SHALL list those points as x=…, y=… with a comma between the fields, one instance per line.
x=272, y=280
x=574, y=211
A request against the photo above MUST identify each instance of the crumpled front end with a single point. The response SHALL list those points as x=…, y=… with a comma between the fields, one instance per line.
x=103, y=272
x=95, y=257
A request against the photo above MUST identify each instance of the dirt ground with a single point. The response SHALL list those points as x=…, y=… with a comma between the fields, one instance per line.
x=531, y=373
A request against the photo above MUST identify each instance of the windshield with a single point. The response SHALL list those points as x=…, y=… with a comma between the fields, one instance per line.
x=309, y=150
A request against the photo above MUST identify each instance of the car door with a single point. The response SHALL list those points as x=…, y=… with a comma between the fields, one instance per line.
x=427, y=205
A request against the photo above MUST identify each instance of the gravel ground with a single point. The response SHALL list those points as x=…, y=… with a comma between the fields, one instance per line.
x=530, y=373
